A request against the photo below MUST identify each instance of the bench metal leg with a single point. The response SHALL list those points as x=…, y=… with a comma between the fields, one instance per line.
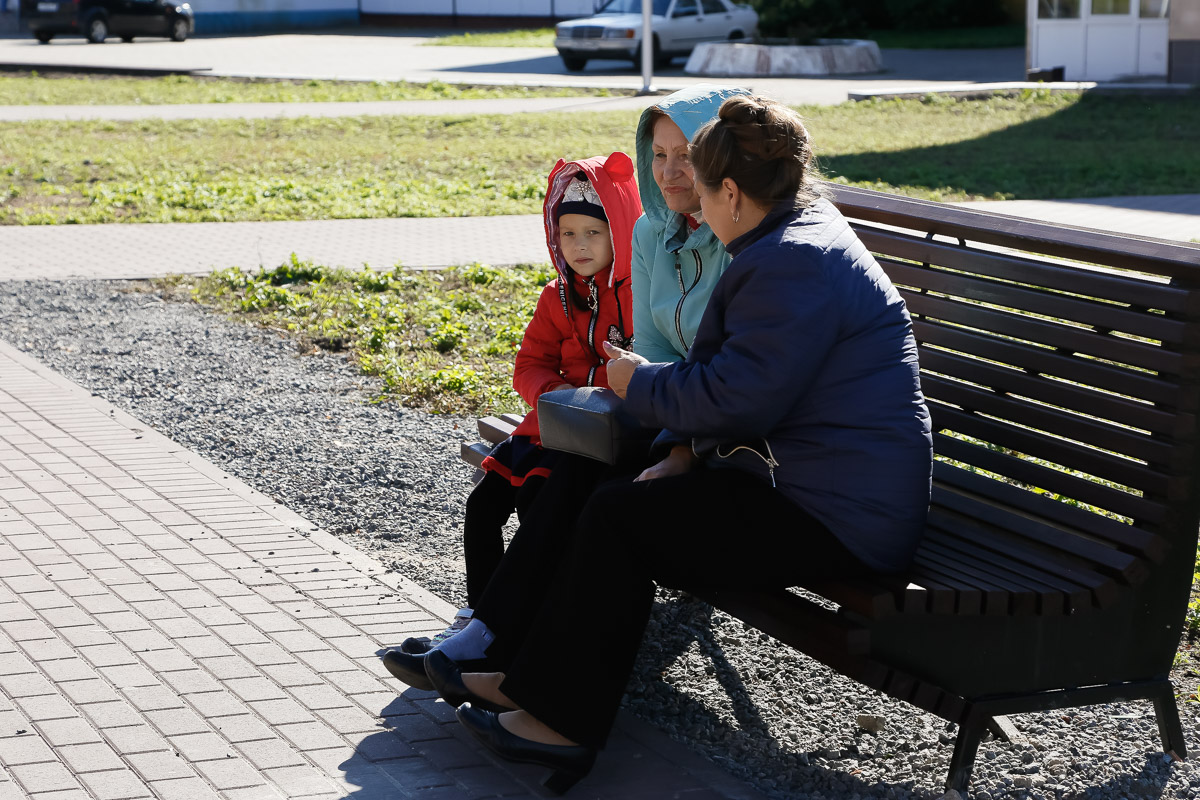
x=1167, y=714
x=966, y=746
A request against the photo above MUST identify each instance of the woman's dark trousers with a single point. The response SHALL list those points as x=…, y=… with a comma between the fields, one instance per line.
x=568, y=662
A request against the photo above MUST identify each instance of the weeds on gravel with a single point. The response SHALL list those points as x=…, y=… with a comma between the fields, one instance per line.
x=442, y=341
x=1031, y=146
x=36, y=89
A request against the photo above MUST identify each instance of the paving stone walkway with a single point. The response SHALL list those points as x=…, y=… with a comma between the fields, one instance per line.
x=167, y=632
x=150, y=250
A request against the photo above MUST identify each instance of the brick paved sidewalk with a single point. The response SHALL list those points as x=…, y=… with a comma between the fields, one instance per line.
x=168, y=632
x=142, y=251
x=376, y=108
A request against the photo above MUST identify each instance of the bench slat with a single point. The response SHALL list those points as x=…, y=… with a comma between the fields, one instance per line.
x=1104, y=588
x=1132, y=539
x=994, y=599
x=1064, y=338
x=1006, y=407
x=1051, y=362
x=1031, y=443
x=1003, y=592
x=1035, y=301
x=1051, y=480
x=474, y=454
x=1055, y=594
x=1148, y=292
x=496, y=430
x=967, y=597
x=1130, y=569
x=1063, y=395
x=1142, y=253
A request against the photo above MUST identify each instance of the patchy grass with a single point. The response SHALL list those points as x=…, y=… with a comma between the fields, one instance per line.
x=952, y=38
x=525, y=37
x=441, y=341
x=1033, y=146
x=34, y=89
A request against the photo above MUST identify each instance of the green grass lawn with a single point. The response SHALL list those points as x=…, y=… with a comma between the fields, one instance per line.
x=33, y=89
x=525, y=37
x=1031, y=147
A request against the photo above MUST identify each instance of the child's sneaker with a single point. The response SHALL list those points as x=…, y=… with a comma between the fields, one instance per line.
x=418, y=645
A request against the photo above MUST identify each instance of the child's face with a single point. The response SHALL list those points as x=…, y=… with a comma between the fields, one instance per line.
x=586, y=243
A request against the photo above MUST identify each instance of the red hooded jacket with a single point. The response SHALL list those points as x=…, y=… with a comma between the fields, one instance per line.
x=563, y=343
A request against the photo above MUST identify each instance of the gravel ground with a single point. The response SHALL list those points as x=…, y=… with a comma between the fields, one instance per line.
x=303, y=429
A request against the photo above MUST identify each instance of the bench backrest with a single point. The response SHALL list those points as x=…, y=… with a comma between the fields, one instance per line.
x=1058, y=363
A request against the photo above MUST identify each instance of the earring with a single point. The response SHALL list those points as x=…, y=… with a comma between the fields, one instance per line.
x=736, y=216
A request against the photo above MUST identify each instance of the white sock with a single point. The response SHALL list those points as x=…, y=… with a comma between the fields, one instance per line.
x=469, y=643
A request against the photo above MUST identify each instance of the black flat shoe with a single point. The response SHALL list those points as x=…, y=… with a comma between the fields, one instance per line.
x=569, y=762
x=416, y=645
x=407, y=668
x=446, y=677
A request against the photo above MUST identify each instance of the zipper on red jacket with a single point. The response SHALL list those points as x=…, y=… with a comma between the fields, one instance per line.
x=593, y=302
x=683, y=293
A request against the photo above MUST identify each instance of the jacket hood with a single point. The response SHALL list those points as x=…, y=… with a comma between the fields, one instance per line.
x=689, y=109
x=612, y=178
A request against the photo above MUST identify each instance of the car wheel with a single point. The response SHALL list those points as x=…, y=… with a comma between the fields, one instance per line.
x=97, y=29
x=735, y=35
x=44, y=38
x=660, y=59
x=126, y=39
x=179, y=30
x=574, y=63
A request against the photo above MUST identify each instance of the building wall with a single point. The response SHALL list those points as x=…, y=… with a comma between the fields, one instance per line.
x=458, y=9
x=232, y=16
x=1184, y=46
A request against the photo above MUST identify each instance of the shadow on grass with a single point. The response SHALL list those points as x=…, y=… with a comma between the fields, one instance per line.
x=1100, y=146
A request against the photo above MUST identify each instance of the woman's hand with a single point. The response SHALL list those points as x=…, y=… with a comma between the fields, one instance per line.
x=621, y=365
x=677, y=462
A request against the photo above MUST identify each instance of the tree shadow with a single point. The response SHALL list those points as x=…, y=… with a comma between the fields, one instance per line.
x=1100, y=146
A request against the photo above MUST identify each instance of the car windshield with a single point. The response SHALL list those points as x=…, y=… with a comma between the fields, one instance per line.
x=659, y=7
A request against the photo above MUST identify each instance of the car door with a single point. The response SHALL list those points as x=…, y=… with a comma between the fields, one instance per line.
x=684, y=27
x=148, y=18
x=122, y=17
x=717, y=20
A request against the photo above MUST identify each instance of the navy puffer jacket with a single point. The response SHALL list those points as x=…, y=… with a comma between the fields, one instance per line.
x=804, y=371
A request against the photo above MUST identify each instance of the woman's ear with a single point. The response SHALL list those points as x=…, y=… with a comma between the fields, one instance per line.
x=732, y=194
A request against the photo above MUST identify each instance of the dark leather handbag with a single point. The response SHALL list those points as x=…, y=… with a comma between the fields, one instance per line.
x=591, y=422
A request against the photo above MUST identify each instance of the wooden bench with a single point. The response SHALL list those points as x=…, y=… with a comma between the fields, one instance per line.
x=1062, y=370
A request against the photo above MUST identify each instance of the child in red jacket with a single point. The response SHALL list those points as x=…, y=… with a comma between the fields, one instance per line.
x=589, y=212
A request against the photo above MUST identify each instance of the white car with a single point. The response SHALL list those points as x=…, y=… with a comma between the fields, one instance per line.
x=615, y=31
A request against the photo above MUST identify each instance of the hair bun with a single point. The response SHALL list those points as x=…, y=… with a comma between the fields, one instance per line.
x=761, y=130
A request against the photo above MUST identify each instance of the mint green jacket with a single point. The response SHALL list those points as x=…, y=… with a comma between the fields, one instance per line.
x=674, y=268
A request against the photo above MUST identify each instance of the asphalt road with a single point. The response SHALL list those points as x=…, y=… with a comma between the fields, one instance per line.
x=382, y=54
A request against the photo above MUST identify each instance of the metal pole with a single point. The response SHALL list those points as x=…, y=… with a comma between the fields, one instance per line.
x=647, y=48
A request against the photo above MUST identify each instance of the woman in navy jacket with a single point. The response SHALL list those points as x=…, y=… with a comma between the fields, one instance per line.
x=811, y=447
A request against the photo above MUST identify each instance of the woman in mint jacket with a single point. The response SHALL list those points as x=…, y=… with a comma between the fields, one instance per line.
x=676, y=258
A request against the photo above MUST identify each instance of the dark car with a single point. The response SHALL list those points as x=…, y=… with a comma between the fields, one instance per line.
x=99, y=19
